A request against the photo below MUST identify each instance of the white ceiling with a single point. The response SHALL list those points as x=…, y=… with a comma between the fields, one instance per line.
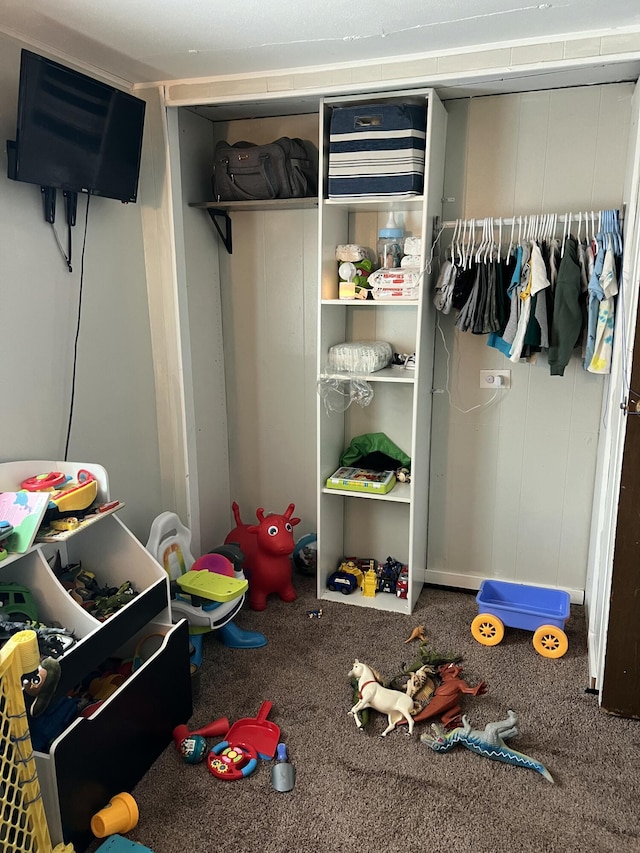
x=153, y=40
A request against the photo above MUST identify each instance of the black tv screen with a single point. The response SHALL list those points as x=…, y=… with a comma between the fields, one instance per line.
x=75, y=133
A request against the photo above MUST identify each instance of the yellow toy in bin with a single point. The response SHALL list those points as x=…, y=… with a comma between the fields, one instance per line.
x=119, y=815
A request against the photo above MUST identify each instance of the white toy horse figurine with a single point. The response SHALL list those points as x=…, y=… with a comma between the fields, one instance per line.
x=393, y=703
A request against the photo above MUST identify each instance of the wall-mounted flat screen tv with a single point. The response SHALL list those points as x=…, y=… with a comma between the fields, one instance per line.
x=75, y=133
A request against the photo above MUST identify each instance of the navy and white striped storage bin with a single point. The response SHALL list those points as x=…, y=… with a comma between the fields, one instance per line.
x=377, y=149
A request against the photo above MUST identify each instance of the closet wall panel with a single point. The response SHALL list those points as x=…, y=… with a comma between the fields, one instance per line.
x=512, y=481
x=269, y=328
x=269, y=319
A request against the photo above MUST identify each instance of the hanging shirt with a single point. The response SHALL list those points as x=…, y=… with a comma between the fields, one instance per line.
x=596, y=293
x=443, y=298
x=567, y=313
x=518, y=282
x=603, y=348
x=536, y=283
x=464, y=320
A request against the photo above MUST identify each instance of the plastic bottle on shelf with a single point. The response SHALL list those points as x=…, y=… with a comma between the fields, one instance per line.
x=389, y=246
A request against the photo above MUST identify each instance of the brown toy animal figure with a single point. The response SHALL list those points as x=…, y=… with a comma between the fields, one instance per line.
x=267, y=549
x=445, y=700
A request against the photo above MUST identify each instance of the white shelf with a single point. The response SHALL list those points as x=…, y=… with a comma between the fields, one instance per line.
x=382, y=601
x=400, y=493
x=372, y=303
x=383, y=203
x=360, y=524
x=387, y=374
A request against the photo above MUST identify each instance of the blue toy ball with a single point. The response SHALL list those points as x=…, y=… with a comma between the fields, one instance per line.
x=193, y=749
x=305, y=554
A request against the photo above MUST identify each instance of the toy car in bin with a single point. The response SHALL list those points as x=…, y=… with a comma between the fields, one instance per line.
x=531, y=608
x=345, y=582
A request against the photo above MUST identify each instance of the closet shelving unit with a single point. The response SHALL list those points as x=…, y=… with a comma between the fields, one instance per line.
x=352, y=524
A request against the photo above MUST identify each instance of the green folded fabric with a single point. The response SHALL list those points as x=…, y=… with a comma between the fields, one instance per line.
x=375, y=450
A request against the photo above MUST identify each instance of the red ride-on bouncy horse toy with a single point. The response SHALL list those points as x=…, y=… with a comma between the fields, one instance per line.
x=267, y=548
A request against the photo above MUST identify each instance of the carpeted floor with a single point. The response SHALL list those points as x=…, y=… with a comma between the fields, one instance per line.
x=356, y=792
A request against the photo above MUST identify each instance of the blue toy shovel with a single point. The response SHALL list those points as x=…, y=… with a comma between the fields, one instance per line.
x=283, y=774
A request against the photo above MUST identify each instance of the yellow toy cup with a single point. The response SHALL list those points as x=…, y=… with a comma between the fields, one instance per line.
x=120, y=815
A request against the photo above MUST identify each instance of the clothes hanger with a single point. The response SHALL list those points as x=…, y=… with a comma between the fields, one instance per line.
x=511, y=246
x=472, y=248
x=452, y=247
x=489, y=241
x=458, y=247
x=463, y=246
x=481, y=244
x=564, y=234
x=616, y=224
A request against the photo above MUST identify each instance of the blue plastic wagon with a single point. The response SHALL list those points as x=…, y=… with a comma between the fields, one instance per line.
x=531, y=608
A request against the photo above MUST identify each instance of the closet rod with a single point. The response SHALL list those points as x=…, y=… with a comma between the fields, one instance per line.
x=561, y=219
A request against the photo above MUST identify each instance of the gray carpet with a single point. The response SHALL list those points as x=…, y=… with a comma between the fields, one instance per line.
x=356, y=792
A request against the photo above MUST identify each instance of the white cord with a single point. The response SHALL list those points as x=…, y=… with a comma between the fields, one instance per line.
x=451, y=403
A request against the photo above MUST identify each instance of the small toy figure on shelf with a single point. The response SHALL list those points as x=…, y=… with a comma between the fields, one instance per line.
x=370, y=585
x=490, y=743
x=267, y=548
x=402, y=586
x=388, y=575
x=403, y=475
x=346, y=578
x=396, y=705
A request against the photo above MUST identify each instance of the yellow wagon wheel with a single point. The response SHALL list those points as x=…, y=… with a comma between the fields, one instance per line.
x=487, y=629
x=550, y=642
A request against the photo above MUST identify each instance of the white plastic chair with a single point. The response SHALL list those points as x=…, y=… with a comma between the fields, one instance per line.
x=170, y=543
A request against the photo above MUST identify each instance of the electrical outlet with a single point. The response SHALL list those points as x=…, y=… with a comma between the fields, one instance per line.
x=495, y=379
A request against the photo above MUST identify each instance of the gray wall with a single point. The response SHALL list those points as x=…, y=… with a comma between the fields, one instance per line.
x=512, y=483
x=114, y=420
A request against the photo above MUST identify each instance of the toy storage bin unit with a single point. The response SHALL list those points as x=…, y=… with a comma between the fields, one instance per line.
x=95, y=758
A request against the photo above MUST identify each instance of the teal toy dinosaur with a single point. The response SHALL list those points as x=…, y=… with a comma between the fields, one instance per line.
x=490, y=742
